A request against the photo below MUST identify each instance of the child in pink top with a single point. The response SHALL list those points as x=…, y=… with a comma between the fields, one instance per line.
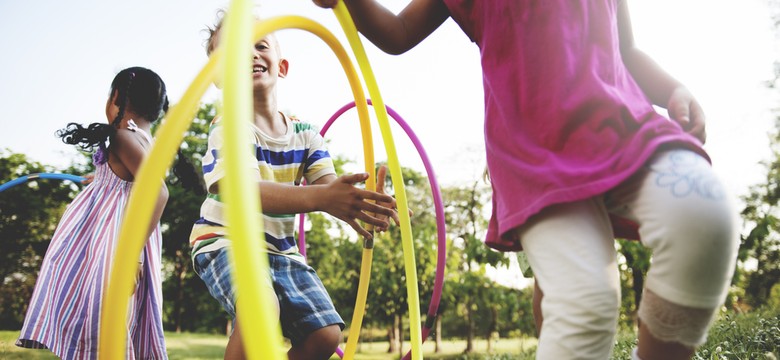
x=577, y=156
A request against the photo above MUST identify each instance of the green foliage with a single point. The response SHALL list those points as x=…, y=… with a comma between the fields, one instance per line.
x=761, y=244
x=481, y=302
x=633, y=267
x=748, y=336
x=753, y=335
x=188, y=305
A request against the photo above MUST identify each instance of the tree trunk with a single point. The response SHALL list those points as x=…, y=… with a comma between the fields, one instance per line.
x=437, y=348
x=400, y=323
x=470, y=328
x=180, y=273
x=392, y=338
x=492, y=328
x=638, y=283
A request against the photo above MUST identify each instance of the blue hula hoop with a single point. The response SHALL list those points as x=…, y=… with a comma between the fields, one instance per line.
x=53, y=176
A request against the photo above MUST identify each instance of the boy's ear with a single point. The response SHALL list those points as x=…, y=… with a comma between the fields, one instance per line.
x=284, y=66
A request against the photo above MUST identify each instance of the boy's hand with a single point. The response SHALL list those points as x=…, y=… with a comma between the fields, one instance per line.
x=326, y=3
x=350, y=204
x=686, y=111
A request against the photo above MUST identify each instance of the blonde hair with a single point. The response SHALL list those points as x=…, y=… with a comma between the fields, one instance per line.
x=213, y=32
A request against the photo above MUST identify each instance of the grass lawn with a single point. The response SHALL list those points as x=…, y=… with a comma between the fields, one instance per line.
x=189, y=346
x=753, y=335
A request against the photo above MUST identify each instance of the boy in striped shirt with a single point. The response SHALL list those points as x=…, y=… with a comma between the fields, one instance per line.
x=286, y=152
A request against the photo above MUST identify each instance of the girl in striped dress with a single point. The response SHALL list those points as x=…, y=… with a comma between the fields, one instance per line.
x=64, y=313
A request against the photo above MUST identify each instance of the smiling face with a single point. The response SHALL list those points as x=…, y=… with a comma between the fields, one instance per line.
x=267, y=63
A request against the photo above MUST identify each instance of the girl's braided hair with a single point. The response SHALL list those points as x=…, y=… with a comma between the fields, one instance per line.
x=142, y=91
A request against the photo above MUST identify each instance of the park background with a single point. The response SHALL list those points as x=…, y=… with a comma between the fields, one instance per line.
x=61, y=57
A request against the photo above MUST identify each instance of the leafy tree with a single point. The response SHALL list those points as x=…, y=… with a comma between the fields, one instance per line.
x=633, y=268
x=387, y=305
x=761, y=243
x=466, y=223
x=188, y=305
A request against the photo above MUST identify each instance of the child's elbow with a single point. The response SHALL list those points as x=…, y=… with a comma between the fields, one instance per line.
x=163, y=197
x=395, y=48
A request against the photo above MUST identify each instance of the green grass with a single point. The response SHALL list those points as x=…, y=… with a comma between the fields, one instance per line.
x=187, y=346
x=753, y=336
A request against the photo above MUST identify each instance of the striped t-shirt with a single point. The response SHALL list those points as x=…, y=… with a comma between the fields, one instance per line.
x=298, y=154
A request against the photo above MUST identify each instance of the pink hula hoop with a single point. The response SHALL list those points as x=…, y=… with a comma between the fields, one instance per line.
x=441, y=259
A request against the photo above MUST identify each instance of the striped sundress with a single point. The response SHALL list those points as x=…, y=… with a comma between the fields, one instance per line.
x=64, y=313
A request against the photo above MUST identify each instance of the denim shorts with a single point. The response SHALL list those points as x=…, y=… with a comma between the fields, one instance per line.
x=304, y=304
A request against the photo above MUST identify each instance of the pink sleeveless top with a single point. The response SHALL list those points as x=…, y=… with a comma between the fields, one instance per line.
x=564, y=119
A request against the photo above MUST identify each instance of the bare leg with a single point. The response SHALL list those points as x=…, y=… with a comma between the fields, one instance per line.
x=235, y=346
x=537, y=308
x=650, y=348
x=321, y=344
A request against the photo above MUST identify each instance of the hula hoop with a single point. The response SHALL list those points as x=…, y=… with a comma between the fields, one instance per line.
x=410, y=266
x=53, y=176
x=441, y=261
x=249, y=265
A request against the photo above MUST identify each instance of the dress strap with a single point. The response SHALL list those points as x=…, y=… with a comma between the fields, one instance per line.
x=132, y=126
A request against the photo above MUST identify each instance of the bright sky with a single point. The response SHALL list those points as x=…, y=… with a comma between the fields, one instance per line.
x=62, y=55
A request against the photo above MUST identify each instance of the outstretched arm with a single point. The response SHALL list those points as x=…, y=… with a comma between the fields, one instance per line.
x=336, y=196
x=662, y=89
x=394, y=34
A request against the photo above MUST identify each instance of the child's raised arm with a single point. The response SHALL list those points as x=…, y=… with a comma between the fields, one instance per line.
x=662, y=89
x=394, y=34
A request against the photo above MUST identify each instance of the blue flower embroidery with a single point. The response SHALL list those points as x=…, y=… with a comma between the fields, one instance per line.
x=687, y=173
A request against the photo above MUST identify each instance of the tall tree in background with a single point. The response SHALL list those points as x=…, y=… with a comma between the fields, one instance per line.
x=467, y=224
x=188, y=305
x=760, y=249
x=633, y=268
x=388, y=305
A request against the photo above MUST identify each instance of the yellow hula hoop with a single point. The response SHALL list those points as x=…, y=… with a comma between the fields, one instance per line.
x=242, y=198
x=413, y=296
x=249, y=264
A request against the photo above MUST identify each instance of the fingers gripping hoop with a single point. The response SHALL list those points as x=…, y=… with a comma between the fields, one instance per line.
x=441, y=260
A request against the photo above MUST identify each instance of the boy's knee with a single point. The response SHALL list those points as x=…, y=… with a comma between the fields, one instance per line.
x=322, y=343
x=330, y=337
